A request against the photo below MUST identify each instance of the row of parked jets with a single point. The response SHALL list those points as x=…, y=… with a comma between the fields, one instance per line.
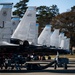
x=26, y=34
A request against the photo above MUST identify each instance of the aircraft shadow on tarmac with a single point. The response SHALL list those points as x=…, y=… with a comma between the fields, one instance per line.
x=32, y=71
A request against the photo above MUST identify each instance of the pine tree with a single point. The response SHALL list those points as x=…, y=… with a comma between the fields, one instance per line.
x=45, y=15
x=21, y=7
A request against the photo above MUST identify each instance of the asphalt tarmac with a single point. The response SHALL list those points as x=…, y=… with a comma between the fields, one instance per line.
x=48, y=71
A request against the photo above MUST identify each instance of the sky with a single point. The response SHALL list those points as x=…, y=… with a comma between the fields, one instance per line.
x=63, y=5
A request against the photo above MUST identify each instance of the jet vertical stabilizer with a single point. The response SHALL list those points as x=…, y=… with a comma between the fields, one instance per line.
x=44, y=38
x=61, y=37
x=68, y=43
x=15, y=21
x=55, y=38
x=65, y=43
x=33, y=34
x=5, y=13
x=27, y=27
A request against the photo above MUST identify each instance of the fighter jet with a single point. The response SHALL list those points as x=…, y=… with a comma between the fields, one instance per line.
x=25, y=33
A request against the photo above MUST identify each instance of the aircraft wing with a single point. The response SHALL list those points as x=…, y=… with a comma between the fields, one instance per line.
x=4, y=43
x=44, y=50
x=60, y=51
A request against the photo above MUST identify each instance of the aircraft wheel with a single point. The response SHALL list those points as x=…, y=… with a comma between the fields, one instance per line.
x=55, y=66
x=65, y=66
x=28, y=66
